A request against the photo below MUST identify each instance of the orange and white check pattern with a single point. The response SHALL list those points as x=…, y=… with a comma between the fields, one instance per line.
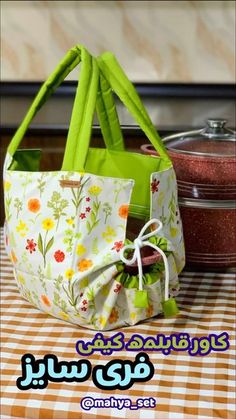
x=184, y=387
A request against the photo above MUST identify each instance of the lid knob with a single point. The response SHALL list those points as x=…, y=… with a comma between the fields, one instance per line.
x=215, y=128
x=216, y=122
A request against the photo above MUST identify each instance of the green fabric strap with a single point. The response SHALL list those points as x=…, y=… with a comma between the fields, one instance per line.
x=107, y=116
x=122, y=86
x=82, y=115
x=69, y=62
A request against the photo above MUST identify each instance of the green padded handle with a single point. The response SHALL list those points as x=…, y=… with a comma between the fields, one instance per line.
x=82, y=115
x=85, y=98
x=107, y=116
x=125, y=90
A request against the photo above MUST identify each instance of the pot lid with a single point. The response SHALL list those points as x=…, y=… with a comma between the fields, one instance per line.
x=214, y=140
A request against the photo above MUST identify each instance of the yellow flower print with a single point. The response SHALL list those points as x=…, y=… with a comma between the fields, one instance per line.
x=84, y=264
x=48, y=224
x=21, y=279
x=80, y=250
x=105, y=290
x=69, y=273
x=70, y=221
x=133, y=316
x=7, y=185
x=160, y=199
x=102, y=321
x=84, y=282
x=173, y=232
x=63, y=315
x=95, y=190
x=109, y=234
x=22, y=228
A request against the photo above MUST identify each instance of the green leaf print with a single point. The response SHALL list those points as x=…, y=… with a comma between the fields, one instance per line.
x=88, y=226
x=59, y=302
x=172, y=208
x=58, y=204
x=63, y=306
x=93, y=216
x=42, y=278
x=40, y=243
x=163, y=219
x=119, y=187
x=94, y=220
x=95, y=246
x=35, y=297
x=44, y=246
x=58, y=282
x=7, y=208
x=69, y=238
x=27, y=181
x=49, y=245
x=56, y=298
x=18, y=206
x=41, y=183
x=77, y=194
x=70, y=292
x=107, y=209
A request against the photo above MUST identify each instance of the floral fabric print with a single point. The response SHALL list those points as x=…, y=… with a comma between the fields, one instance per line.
x=123, y=211
x=34, y=205
x=164, y=206
x=64, y=243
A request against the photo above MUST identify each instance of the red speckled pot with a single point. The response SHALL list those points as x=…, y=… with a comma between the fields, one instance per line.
x=205, y=166
x=202, y=177
x=209, y=233
x=204, y=161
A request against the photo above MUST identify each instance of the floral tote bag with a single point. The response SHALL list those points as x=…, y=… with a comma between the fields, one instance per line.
x=67, y=231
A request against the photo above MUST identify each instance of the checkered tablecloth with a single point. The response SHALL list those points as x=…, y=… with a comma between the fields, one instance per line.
x=183, y=386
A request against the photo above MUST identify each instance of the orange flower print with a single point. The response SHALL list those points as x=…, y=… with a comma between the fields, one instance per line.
x=45, y=300
x=114, y=316
x=13, y=257
x=123, y=211
x=84, y=264
x=117, y=246
x=149, y=311
x=34, y=205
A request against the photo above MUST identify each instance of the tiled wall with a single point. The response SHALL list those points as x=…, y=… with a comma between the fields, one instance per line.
x=177, y=41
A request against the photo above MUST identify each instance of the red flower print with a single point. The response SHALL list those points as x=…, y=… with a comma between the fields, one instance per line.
x=117, y=246
x=84, y=302
x=31, y=245
x=88, y=199
x=118, y=288
x=155, y=185
x=88, y=209
x=84, y=308
x=82, y=215
x=81, y=294
x=59, y=256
